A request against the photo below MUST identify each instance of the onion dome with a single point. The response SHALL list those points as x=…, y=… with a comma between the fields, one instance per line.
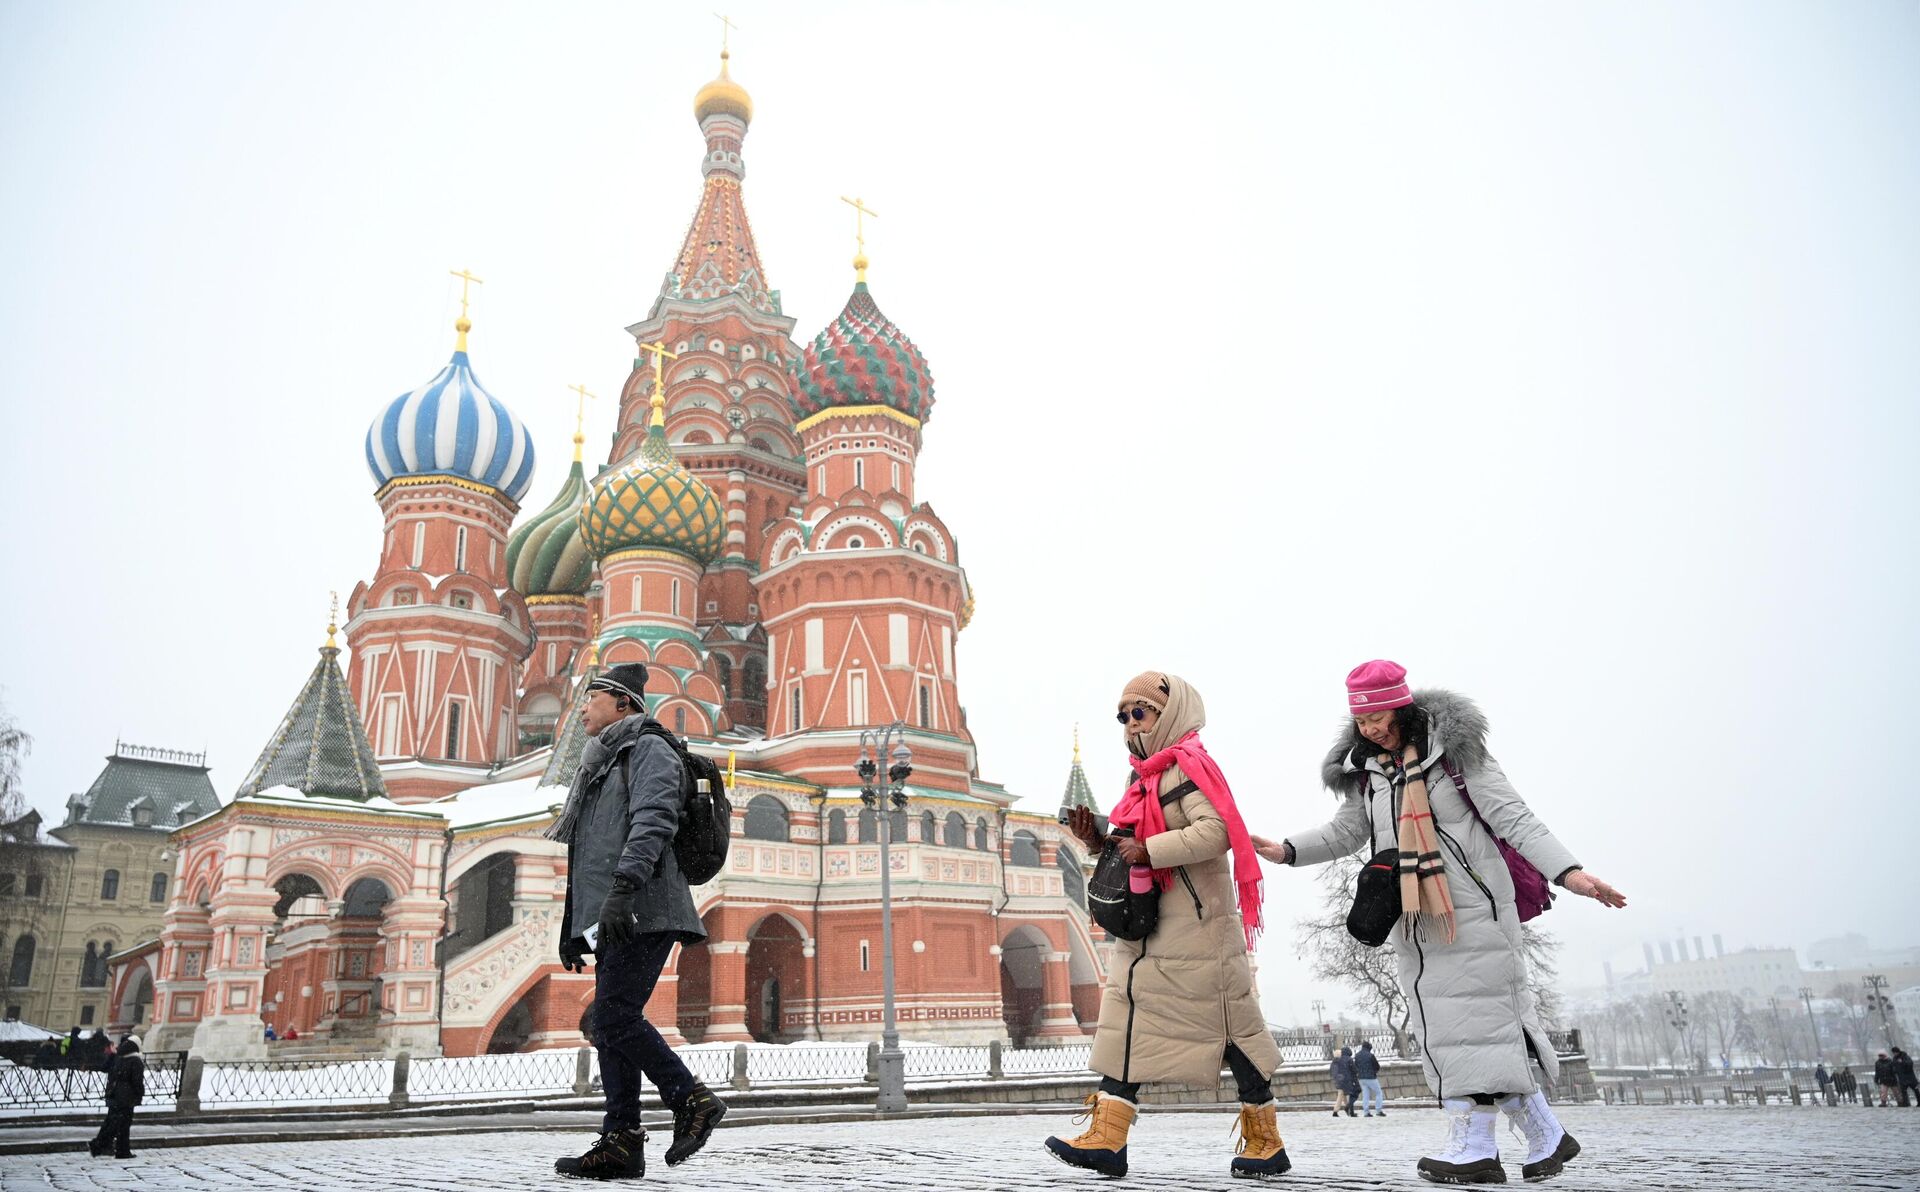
x=862, y=359
x=723, y=97
x=451, y=426
x=545, y=556
x=651, y=501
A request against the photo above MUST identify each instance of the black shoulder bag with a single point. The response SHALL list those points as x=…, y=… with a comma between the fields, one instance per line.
x=1376, y=892
x=1111, y=899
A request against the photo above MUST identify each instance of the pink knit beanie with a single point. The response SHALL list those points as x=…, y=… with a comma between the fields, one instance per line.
x=1377, y=686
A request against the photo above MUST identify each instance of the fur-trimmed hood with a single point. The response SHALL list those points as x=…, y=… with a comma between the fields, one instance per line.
x=1457, y=725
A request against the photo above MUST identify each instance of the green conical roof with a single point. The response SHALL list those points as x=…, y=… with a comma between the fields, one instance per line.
x=1079, y=794
x=321, y=747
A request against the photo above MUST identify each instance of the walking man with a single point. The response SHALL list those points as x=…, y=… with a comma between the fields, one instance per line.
x=628, y=904
x=126, y=1088
x=1821, y=1078
x=1366, y=1066
x=1904, y=1078
x=1883, y=1078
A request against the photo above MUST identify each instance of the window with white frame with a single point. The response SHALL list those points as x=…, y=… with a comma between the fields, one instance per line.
x=793, y=716
x=454, y=710
x=866, y=955
x=419, y=542
x=857, y=697
x=460, y=548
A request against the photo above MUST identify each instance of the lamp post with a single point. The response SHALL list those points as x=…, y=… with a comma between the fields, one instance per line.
x=876, y=747
x=1806, y=997
x=1773, y=1004
x=1878, y=1000
x=1677, y=1018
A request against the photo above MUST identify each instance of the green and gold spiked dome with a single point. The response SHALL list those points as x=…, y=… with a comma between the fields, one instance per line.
x=651, y=501
x=545, y=556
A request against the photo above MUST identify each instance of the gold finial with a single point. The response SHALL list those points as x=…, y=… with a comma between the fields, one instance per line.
x=861, y=211
x=659, y=400
x=593, y=640
x=726, y=27
x=580, y=418
x=333, y=618
x=462, y=325
x=1076, y=744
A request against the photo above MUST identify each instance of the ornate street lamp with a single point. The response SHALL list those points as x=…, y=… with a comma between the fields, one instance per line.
x=874, y=748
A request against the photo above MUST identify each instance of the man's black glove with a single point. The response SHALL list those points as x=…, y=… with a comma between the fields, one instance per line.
x=573, y=955
x=616, y=916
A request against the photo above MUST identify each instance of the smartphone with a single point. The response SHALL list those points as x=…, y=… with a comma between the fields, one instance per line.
x=592, y=936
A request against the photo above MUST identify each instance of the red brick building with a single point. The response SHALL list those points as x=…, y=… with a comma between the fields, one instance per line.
x=757, y=539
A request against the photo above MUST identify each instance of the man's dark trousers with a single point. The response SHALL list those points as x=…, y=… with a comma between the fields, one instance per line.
x=623, y=980
x=112, y=1138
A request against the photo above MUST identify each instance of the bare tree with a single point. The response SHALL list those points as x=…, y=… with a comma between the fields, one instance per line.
x=1543, y=966
x=21, y=873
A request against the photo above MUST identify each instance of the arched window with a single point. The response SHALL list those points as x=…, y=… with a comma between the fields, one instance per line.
x=680, y=721
x=724, y=667
x=954, y=834
x=927, y=827
x=110, y=885
x=1025, y=850
x=836, y=826
x=1072, y=879
x=20, y=973
x=897, y=827
x=482, y=903
x=980, y=835
x=158, y=891
x=766, y=819
x=869, y=826
x=366, y=898
x=88, y=963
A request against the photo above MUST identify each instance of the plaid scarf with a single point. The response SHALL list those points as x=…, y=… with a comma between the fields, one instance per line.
x=1423, y=872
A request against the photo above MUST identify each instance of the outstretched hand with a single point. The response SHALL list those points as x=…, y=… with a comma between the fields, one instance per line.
x=1588, y=886
x=1277, y=851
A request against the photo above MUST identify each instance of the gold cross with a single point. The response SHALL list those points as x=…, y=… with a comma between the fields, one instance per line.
x=860, y=213
x=464, y=324
x=333, y=617
x=726, y=27
x=580, y=418
x=660, y=357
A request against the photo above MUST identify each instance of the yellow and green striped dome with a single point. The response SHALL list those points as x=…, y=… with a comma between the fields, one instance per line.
x=651, y=501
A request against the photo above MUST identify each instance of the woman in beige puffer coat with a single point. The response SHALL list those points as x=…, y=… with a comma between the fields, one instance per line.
x=1180, y=1002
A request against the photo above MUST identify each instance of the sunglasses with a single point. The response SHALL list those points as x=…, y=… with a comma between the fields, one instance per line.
x=1138, y=714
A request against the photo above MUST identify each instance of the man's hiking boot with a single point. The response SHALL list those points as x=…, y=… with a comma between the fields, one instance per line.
x=693, y=1121
x=618, y=1155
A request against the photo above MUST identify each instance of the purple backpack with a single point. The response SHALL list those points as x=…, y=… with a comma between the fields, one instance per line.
x=1531, y=892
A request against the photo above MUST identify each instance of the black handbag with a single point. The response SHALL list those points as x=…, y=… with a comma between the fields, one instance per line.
x=1111, y=900
x=1376, y=899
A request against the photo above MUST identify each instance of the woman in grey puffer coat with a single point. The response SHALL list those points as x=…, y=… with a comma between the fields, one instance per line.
x=1480, y=1034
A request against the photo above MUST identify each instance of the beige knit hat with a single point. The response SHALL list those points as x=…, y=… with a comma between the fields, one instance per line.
x=1150, y=688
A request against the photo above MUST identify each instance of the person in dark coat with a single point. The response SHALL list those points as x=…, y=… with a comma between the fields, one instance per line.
x=1366, y=1066
x=1844, y=1083
x=1346, y=1085
x=126, y=1088
x=628, y=904
x=1822, y=1078
x=1904, y=1078
x=1883, y=1078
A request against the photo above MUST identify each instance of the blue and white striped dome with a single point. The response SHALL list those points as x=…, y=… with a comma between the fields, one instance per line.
x=451, y=426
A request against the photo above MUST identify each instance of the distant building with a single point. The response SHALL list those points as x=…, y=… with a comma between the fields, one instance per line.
x=95, y=888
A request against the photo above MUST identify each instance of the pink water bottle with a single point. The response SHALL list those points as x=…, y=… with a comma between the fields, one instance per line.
x=1139, y=878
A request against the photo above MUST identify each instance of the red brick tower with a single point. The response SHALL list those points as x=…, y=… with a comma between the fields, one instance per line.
x=861, y=594
x=438, y=634
x=728, y=416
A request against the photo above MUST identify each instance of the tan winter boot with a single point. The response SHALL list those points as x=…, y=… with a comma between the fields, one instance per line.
x=1103, y=1148
x=1261, y=1155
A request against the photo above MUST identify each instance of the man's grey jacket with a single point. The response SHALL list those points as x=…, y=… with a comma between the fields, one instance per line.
x=631, y=788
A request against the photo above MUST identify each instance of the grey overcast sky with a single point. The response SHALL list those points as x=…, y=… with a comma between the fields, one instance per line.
x=1565, y=353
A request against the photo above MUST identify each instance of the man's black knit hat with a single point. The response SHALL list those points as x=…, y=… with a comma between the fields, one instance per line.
x=628, y=679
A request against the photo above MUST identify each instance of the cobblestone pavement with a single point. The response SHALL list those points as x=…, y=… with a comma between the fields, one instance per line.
x=1638, y=1148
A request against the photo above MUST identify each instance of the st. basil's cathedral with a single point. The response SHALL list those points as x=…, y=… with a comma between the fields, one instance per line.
x=379, y=882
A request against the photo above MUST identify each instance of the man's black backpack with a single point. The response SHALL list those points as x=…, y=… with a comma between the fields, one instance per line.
x=706, y=815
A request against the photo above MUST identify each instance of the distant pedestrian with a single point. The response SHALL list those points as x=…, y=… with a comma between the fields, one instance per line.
x=1824, y=1080
x=293, y=1033
x=629, y=904
x=126, y=1088
x=1846, y=1084
x=270, y=1035
x=1366, y=1066
x=1346, y=1084
x=1883, y=1078
x=1904, y=1079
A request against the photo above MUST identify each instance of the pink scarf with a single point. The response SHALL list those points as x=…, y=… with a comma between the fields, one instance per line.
x=1139, y=809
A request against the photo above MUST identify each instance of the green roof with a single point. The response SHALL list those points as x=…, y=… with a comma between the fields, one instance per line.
x=173, y=788
x=321, y=747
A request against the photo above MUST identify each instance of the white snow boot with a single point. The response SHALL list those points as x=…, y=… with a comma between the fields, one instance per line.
x=1470, y=1155
x=1549, y=1146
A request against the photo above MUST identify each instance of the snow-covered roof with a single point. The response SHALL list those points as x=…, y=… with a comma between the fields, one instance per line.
x=12, y=1031
x=498, y=803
